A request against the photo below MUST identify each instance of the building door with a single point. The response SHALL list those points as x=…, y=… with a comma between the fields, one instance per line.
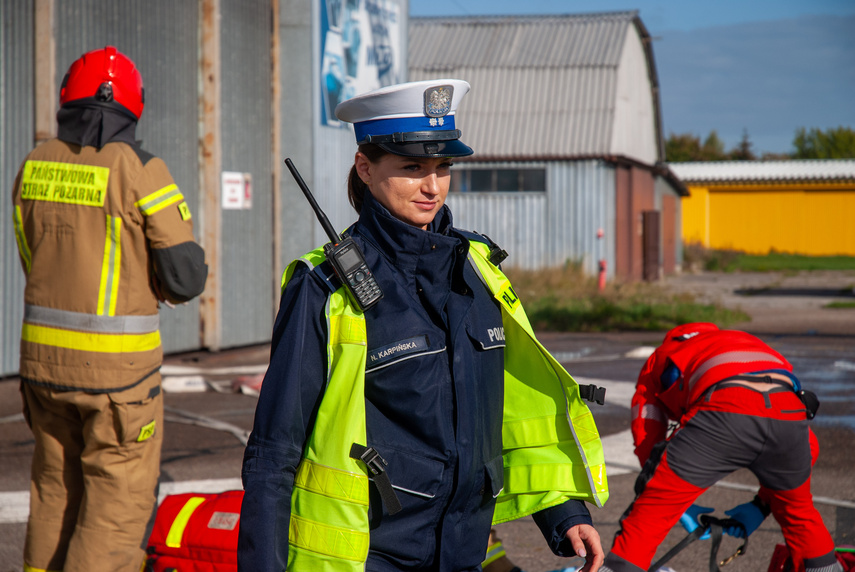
x=651, y=223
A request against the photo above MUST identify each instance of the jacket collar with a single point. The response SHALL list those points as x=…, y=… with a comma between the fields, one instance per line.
x=400, y=242
x=95, y=124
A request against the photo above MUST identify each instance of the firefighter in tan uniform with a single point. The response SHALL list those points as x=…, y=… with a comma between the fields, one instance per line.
x=104, y=235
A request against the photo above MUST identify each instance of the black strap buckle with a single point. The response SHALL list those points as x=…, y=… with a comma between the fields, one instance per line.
x=372, y=459
x=377, y=465
x=811, y=402
x=593, y=393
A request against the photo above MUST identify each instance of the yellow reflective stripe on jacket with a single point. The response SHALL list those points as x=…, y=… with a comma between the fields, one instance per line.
x=494, y=552
x=70, y=183
x=108, y=292
x=23, y=247
x=159, y=200
x=80, y=321
x=323, y=539
x=176, y=531
x=89, y=341
x=331, y=482
x=28, y=568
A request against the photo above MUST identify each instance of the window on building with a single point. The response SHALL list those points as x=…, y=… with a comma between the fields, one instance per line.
x=497, y=180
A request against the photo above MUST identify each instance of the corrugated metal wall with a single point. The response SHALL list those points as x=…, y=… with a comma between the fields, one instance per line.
x=582, y=201
x=547, y=229
x=515, y=221
x=334, y=150
x=814, y=220
x=160, y=36
x=16, y=140
x=535, y=112
x=246, y=240
x=664, y=189
x=546, y=87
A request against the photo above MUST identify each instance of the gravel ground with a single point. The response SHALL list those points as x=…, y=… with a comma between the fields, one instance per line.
x=778, y=302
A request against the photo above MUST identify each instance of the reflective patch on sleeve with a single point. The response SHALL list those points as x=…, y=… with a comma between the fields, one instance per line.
x=159, y=200
x=147, y=431
x=649, y=411
x=507, y=296
x=65, y=183
x=185, y=211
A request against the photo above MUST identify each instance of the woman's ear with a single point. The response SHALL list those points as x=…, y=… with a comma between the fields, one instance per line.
x=363, y=167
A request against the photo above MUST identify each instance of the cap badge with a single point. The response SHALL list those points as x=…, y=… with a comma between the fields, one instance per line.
x=438, y=100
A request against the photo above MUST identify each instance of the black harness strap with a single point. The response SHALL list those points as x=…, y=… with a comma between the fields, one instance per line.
x=377, y=466
x=808, y=398
x=715, y=526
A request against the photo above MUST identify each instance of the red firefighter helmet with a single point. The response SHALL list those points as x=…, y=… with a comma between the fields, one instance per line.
x=107, y=74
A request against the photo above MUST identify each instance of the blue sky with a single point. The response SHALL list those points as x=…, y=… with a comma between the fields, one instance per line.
x=766, y=67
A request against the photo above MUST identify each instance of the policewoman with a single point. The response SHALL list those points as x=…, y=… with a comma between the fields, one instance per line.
x=392, y=438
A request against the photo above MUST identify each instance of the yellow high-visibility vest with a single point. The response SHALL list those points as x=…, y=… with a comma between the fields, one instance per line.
x=550, y=445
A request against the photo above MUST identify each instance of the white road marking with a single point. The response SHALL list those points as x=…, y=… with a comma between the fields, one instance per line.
x=15, y=506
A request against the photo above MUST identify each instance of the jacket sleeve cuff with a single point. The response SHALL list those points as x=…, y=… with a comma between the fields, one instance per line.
x=554, y=523
x=181, y=270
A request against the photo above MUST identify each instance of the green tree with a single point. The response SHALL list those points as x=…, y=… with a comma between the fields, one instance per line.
x=742, y=151
x=683, y=147
x=713, y=148
x=833, y=143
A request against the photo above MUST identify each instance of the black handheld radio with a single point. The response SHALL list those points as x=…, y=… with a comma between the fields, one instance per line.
x=343, y=254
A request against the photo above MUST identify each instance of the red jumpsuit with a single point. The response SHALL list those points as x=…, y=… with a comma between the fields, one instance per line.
x=724, y=424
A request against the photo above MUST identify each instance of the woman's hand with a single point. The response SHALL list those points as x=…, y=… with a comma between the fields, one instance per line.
x=585, y=540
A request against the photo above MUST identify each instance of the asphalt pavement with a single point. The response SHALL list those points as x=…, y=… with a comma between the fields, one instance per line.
x=210, y=405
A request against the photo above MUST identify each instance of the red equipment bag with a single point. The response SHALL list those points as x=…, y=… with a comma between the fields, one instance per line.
x=781, y=559
x=195, y=533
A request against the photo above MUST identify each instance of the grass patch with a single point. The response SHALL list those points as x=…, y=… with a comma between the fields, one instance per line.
x=840, y=305
x=709, y=259
x=565, y=300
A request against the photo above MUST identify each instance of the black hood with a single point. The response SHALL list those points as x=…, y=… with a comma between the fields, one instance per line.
x=95, y=123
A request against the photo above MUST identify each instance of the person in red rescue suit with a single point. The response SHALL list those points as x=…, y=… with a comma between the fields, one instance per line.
x=737, y=406
x=104, y=235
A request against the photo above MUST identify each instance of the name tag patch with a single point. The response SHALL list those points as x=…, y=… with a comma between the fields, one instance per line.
x=395, y=351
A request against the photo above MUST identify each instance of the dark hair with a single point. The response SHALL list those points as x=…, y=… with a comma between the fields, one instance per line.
x=356, y=189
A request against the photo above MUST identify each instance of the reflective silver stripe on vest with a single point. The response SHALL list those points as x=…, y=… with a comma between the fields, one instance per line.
x=90, y=322
x=730, y=357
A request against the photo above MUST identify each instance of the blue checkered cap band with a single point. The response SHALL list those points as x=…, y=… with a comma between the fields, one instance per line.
x=415, y=107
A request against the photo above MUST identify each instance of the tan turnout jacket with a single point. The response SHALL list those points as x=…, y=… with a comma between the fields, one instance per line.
x=85, y=221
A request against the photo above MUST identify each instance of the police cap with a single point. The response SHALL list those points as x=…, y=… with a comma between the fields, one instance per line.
x=414, y=119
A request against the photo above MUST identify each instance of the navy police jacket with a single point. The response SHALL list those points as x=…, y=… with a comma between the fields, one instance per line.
x=433, y=398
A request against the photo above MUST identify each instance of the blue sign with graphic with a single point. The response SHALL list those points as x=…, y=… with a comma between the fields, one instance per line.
x=360, y=50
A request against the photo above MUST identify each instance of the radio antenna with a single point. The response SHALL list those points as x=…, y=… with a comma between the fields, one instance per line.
x=322, y=218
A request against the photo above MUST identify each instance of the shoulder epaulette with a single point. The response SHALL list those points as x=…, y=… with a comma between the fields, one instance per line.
x=497, y=254
x=325, y=272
